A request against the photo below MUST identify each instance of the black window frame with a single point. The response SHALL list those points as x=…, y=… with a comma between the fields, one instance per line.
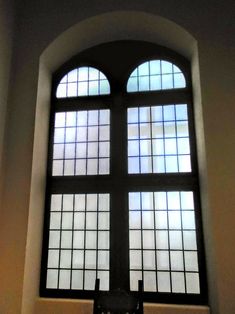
x=119, y=182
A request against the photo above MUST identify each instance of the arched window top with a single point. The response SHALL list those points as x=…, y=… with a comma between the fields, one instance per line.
x=83, y=81
x=155, y=75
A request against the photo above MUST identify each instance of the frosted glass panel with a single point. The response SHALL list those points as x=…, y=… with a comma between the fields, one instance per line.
x=163, y=279
x=52, y=279
x=178, y=284
x=149, y=281
x=81, y=143
x=83, y=81
x=53, y=258
x=78, y=241
x=158, y=139
x=162, y=240
x=192, y=283
x=155, y=75
x=163, y=260
x=135, y=259
x=64, y=279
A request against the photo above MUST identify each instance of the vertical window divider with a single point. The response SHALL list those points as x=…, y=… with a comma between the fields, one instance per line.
x=87, y=141
x=72, y=249
x=163, y=134
x=168, y=234
x=97, y=234
x=176, y=140
x=155, y=240
x=151, y=137
x=59, y=268
x=142, y=242
x=183, y=251
x=84, y=246
x=139, y=139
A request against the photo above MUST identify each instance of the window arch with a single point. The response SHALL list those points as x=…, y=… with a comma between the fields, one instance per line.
x=122, y=190
x=155, y=75
x=83, y=81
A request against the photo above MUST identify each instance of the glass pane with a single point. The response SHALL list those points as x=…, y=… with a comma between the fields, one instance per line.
x=67, y=221
x=178, y=285
x=77, y=243
x=135, y=239
x=64, y=279
x=163, y=279
x=65, y=259
x=90, y=259
x=134, y=220
x=147, y=220
x=103, y=221
x=53, y=259
x=90, y=277
x=78, y=239
x=135, y=276
x=52, y=279
x=66, y=239
x=158, y=142
x=161, y=220
x=104, y=202
x=177, y=260
x=82, y=145
x=175, y=240
x=78, y=259
x=149, y=260
x=83, y=81
x=55, y=220
x=191, y=261
x=163, y=238
x=192, y=283
x=163, y=260
x=135, y=259
x=148, y=240
x=149, y=281
x=91, y=239
x=104, y=280
x=189, y=238
x=155, y=75
x=77, y=279
x=103, y=260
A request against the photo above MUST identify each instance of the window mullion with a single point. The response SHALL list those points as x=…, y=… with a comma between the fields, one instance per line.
x=119, y=214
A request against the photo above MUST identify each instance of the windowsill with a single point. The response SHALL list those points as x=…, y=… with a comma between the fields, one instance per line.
x=60, y=306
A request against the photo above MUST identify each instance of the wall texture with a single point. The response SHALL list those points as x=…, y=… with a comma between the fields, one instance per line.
x=47, y=33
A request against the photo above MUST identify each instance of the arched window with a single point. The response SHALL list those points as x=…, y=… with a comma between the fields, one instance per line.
x=122, y=189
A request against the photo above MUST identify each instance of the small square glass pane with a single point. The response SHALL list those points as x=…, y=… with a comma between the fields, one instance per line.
x=163, y=279
x=103, y=260
x=135, y=259
x=149, y=281
x=177, y=260
x=178, y=283
x=192, y=283
x=163, y=260
x=64, y=279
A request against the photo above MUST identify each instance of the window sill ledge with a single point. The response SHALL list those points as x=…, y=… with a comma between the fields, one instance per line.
x=64, y=306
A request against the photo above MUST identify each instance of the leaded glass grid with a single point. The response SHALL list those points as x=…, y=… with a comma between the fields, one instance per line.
x=83, y=81
x=78, y=248
x=81, y=144
x=158, y=139
x=163, y=245
x=155, y=75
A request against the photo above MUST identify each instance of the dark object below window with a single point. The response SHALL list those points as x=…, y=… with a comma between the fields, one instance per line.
x=118, y=301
